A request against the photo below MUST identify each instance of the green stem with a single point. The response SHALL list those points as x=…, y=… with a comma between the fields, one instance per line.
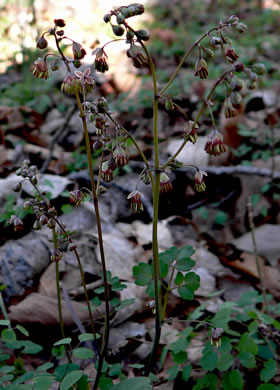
x=105, y=338
x=83, y=280
x=186, y=56
x=156, y=187
x=167, y=294
x=3, y=309
x=202, y=108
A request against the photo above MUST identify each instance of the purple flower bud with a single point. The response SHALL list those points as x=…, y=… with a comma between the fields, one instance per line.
x=42, y=43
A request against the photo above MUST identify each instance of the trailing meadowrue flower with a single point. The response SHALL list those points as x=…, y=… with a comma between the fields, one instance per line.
x=86, y=81
x=136, y=201
x=138, y=56
x=71, y=84
x=17, y=222
x=229, y=110
x=40, y=69
x=216, y=336
x=215, y=143
x=165, y=183
x=189, y=131
x=106, y=173
x=78, y=51
x=76, y=197
x=120, y=156
x=100, y=62
x=201, y=68
x=56, y=255
x=199, y=183
x=231, y=55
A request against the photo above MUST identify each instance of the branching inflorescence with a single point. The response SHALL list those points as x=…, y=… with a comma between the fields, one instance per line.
x=114, y=147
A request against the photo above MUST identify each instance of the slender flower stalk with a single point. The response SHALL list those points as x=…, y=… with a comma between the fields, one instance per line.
x=105, y=338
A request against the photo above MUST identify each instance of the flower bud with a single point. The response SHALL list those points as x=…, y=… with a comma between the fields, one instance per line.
x=44, y=219
x=252, y=84
x=233, y=20
x=207, y=53
x=78, y=51
x=117, y=30
x=236, y=99
x=97, y=145
x=169, y=104
x=18, y=172
x=259, y=69
x=107, y=18
x=42, y=43
x=76, y=197
x=59, y=22
x=102, y=105
x=215, y=41
x=60, y=33
x=241, y=27
x=120, y=18
x=132, y=10
x=77, y=64
x=228, y=41
x=236, y=84
x=56, y=255
x=146, y=178
x=27, y=204
x=239, y=67
x=34, y=180
x=253, y=76
x=143, y=35
x=55, y=65
x=51, y=223
x=17, y=187
x=72, y=247
x=37, y=225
